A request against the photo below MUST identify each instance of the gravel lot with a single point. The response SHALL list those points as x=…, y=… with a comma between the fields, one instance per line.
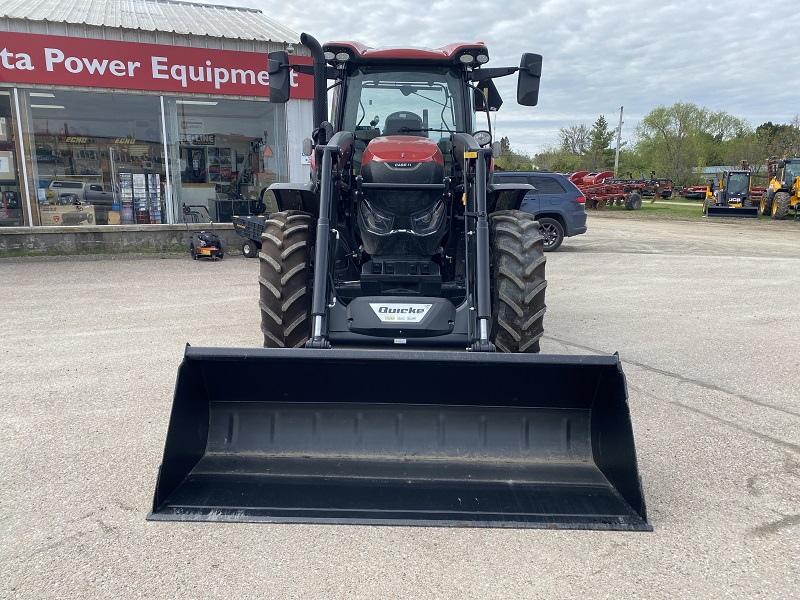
x=702, y=314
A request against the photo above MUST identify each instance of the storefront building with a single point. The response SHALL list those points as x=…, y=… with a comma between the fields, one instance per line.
x=126, y=117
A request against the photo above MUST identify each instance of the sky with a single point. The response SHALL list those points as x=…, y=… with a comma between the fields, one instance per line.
x=598, y=55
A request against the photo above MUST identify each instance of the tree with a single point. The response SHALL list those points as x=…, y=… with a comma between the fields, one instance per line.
x=558, y=160
x=668, y=137
x=777, y=140
x=599, y=154
x=682, y=137
x=510, y=160
x=574, y=139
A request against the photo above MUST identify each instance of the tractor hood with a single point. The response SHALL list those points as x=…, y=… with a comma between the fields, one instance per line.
x=403, y=151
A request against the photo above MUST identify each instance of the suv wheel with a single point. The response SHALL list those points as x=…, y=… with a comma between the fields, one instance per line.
x=552, y=232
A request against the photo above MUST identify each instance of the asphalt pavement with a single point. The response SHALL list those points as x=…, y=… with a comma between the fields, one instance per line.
x=703, y=314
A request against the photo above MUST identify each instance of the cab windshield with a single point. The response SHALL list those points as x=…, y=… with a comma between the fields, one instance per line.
x=426, y=103
x=738, y=184
x=792, y=172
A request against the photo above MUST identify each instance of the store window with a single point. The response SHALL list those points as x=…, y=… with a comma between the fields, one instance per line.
x=224, y=154
x=10, y=199
x=99, y=158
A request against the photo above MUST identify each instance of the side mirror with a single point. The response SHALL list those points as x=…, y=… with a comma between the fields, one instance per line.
x=496, y=150
x=530, y=73
x=278, y=69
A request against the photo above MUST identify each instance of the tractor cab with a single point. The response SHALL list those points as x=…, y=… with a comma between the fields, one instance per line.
x=790, y=172
x=736, y=185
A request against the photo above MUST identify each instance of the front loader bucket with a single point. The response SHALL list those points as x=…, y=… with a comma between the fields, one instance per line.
x=743, y=212
x=403, y=438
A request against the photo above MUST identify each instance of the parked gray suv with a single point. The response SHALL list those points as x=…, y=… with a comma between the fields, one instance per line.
x=557, y=204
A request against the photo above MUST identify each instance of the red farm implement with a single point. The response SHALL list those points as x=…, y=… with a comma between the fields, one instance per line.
x=601, y=190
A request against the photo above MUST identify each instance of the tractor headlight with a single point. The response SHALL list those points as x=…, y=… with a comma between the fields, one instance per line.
x=375, y=220
x=427, y=221
x=484, y=138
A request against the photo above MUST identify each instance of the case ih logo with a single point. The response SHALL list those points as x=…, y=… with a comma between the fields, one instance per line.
x=405, y=313
x=403, y=165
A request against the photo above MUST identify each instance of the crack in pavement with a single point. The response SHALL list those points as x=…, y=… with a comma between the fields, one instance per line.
x=762, y=436
x=775, y=526
x=704, y=384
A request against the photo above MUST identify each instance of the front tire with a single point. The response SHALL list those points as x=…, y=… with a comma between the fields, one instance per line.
x=780, y=205
x=284, y=289
x=518, y=261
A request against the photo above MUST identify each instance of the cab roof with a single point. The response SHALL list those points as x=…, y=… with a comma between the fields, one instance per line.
x=450, y=54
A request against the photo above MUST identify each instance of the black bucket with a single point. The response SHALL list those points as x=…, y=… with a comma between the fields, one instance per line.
x=400, y=438
x=741, y=212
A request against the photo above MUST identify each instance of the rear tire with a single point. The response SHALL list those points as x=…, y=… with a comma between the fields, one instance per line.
x=766, y=204
x=780, y=205
x=552, y=233
x=284, y=289
x=518, y=260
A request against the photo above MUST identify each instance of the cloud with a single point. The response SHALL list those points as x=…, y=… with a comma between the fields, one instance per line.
x=734, y=56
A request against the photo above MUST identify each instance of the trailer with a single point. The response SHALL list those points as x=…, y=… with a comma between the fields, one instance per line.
x=250, y=227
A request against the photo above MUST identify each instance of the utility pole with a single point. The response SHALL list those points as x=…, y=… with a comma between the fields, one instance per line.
x=619, y=137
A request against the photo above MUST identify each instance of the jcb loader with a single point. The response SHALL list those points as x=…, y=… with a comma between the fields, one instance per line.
x=783, y=190
x=731, y=197
x=402, y=298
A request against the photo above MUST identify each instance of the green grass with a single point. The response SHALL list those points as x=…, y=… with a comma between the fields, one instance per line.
x=673, y=208
x=670, y=209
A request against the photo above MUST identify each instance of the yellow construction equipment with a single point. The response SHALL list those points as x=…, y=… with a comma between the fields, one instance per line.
x=783, y=191
x=731, y=195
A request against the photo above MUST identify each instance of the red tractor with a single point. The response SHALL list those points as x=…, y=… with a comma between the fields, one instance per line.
x=402, y=298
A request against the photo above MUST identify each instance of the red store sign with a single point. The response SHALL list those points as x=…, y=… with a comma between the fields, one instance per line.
x=57, y=60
